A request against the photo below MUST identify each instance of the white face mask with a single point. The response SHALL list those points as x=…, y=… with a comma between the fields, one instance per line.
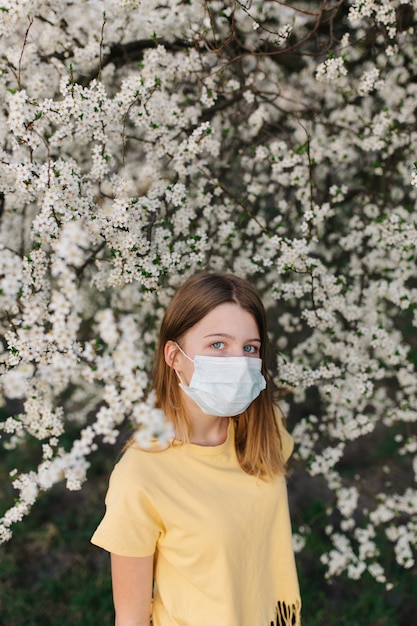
x=224, y=386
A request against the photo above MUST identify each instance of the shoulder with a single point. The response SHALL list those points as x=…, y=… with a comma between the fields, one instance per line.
x=136, y=463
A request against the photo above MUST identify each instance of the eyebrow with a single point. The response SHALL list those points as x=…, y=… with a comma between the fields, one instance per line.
x=226, y=336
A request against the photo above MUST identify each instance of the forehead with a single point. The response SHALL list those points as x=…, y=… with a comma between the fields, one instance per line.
x=227, y=318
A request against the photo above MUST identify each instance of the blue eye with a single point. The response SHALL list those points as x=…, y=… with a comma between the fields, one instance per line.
x=250, y=349
x=217, y=345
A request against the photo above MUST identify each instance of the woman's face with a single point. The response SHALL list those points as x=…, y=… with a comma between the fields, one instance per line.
x=228, y=330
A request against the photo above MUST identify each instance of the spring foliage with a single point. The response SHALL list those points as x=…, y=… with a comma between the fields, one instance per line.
x=142, y=141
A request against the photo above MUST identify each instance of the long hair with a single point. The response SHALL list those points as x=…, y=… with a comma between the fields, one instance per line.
x=257, y=438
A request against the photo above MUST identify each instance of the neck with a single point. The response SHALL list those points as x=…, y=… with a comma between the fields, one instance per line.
x=211, y=433
x=208, y=430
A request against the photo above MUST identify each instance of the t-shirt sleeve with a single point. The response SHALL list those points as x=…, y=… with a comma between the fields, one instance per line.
x=287, y=442
x=131, y=525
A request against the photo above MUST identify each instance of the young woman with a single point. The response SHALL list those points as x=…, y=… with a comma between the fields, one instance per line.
x=199, y=532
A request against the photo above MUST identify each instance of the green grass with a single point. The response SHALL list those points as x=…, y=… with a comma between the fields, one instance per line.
x=50, y=574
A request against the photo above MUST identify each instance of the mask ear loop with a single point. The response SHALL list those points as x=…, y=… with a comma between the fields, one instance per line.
x=181, y=380
x=186, y=356
x=182, y=352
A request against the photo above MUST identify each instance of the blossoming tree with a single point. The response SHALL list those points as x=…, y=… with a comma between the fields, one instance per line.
x=142, y=141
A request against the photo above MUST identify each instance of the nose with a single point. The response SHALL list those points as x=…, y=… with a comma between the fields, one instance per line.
x=236, y=351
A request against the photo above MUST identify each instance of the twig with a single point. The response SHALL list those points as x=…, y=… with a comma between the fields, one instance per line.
x=25, y=40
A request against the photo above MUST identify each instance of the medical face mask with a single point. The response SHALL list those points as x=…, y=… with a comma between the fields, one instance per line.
x=224, y=386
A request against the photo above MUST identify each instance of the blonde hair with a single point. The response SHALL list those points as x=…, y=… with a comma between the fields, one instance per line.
x=257, y=438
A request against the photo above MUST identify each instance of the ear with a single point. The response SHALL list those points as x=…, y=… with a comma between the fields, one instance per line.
x=170, y=353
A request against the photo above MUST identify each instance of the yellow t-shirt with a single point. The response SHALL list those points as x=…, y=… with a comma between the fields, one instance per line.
x=221, y=538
